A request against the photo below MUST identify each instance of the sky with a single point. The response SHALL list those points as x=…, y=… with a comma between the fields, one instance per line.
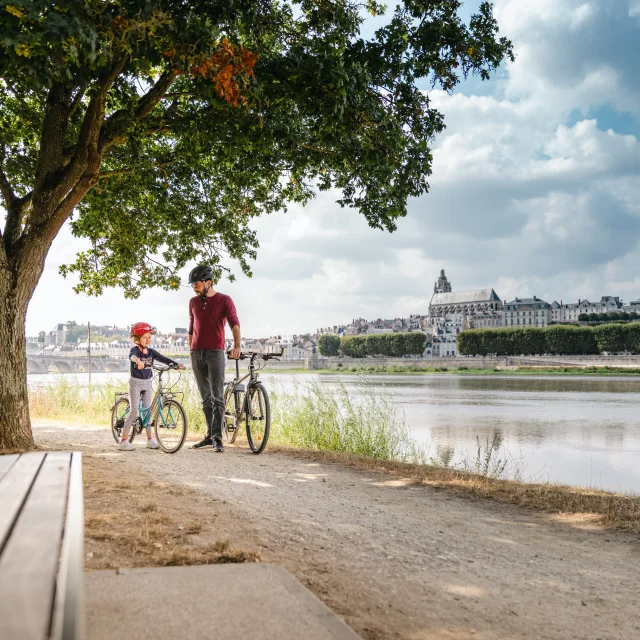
x=535, y=191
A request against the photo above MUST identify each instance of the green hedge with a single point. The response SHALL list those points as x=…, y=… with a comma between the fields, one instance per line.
x=383, y=344
x=553, y=340
x=329, y=344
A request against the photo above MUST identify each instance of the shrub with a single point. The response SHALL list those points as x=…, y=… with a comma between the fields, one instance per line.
x=384, y=344
x=329, y=345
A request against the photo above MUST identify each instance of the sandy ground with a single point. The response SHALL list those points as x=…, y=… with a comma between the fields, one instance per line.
x=396, y=560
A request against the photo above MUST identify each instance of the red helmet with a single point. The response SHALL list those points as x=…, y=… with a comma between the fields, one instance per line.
x=140, y=328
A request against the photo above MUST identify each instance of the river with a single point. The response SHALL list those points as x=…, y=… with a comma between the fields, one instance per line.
x=574, y=430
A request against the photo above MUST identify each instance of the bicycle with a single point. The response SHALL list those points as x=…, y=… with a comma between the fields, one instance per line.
x=250, y=404
x=166, y=416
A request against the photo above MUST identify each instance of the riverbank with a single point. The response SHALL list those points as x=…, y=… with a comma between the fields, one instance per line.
x=469, y=371
x=395, y=558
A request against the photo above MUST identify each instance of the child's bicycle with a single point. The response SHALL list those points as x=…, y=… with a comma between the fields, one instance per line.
x=166, y=416
x=250, y=404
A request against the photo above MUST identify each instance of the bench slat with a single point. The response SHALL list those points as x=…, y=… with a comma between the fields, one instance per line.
x=68, y=617
x=14, y=487
x=6, y=462
x=29, y=561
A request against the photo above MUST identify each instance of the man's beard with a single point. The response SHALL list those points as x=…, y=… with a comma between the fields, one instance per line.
x=203, y=295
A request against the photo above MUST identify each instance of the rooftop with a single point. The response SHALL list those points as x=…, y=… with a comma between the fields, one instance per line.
x=461, y=297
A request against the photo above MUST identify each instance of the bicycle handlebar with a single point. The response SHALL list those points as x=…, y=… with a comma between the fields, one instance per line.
x=258, y=354
x=164, y=367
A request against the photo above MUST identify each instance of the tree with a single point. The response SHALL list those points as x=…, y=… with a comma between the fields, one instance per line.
x=329, y=345
x=196, y=117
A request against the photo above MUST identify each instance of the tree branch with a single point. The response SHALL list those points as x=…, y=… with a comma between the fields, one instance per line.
x=115, y=128
x=7, y=192
x=56, y=118
x=128, y=172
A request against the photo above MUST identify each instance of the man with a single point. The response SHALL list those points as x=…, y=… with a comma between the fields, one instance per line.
x=209, y=311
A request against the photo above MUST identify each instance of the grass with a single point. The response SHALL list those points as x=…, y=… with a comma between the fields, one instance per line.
x=332, y=420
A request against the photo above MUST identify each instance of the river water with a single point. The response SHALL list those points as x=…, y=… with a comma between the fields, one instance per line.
x=574, y=430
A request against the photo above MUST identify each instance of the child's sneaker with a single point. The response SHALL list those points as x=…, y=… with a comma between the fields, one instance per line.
x=125, y=445
x=152, y=444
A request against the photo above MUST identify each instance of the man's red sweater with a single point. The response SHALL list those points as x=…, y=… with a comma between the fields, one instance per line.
x=207, y=319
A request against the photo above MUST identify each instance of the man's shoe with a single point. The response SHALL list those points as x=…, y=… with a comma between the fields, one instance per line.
x=207, y=442
x=218, y=447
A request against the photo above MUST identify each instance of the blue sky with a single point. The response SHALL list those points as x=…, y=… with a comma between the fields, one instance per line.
x=535, y=190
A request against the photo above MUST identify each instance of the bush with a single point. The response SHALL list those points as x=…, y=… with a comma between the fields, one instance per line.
x=529, y=341
x=612, y=338
x=384, y=344
x=329, y=345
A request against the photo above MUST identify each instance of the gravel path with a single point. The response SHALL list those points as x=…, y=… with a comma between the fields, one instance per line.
x=399, y=561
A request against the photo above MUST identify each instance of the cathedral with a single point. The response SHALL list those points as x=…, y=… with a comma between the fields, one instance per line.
x=475, y=308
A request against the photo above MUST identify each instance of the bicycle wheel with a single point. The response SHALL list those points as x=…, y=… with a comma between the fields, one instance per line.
x=230, y=419
x=119, y=414
x=171, y=426
x=257, y=417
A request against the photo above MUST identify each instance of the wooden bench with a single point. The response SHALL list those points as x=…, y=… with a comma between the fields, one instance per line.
x=41, y=547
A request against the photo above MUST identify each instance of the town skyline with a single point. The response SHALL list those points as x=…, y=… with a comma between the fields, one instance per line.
x=412, y=320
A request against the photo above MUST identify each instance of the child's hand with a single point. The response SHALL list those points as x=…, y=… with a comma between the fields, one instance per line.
x=181, y=367
x=140, y=364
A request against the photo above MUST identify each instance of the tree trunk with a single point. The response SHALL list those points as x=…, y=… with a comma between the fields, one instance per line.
x=15, y=425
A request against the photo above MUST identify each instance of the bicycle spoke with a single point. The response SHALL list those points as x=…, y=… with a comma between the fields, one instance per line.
x=171, y=426
x=119, y=414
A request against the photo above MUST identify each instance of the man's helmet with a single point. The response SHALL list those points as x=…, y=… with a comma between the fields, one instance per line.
x=140, y=328
x=200, y=273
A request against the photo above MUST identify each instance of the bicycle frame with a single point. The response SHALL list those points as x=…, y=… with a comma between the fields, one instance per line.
x=146, y=417
x=238, y=387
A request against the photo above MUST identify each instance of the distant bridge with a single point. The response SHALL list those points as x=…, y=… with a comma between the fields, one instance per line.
x=58, y=363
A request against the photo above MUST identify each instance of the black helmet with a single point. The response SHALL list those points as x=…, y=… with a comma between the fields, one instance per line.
x=200, y=273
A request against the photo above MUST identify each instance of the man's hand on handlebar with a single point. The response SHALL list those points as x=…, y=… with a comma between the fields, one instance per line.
x=234, y=353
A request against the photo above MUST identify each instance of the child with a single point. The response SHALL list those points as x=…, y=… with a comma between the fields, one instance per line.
x=142, y=358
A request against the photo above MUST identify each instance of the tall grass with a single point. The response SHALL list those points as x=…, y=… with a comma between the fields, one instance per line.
x=316, y=417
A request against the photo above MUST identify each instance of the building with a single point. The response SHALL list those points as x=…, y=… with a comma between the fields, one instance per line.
x=571, y=312
x=529, y=312
x=481, y=304
x=444, y=341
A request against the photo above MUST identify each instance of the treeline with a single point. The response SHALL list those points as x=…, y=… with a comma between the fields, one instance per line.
x=554, y=340
x=384, y=344
x=610, y=316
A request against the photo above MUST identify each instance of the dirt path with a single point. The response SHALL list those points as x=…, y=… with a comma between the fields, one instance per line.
x=400, y=561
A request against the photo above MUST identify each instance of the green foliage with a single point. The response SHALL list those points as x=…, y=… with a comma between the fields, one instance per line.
x=611, y=316
x=384, y=345
x=612, y=338
x=553, y=340
x=329, y=345
x=169, y=126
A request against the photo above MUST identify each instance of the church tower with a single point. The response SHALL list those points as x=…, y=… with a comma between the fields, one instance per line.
x=443, y=285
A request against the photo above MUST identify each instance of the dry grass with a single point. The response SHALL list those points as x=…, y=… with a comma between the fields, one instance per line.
x=607, y=509
x=143, y=523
